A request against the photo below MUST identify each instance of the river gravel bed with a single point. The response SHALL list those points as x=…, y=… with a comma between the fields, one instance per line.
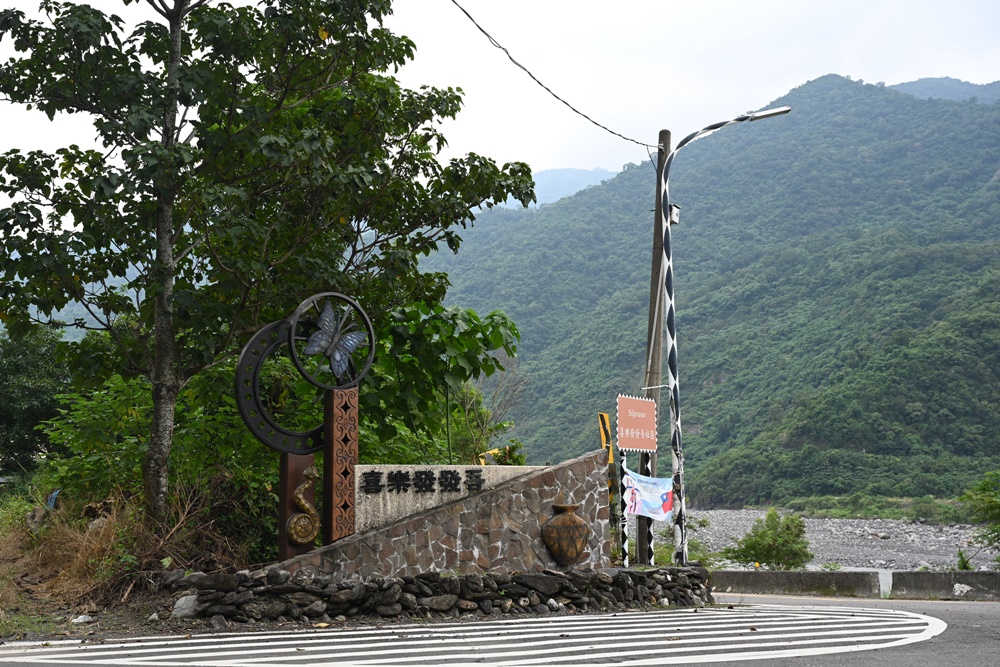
x=887, y=544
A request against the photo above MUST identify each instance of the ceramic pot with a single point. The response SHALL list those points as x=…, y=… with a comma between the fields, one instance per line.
x=565, y=534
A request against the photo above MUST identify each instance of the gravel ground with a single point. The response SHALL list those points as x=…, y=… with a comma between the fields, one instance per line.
x=886, y=544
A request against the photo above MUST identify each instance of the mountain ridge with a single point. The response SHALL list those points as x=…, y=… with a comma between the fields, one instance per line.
x=948, y=88
x=807, y=245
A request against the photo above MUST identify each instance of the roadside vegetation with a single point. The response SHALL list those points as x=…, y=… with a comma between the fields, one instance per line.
x=984, y=502
x=251, y=156
x=123, y=452
x=862, y=506
x=74, y=533
x=776, y=542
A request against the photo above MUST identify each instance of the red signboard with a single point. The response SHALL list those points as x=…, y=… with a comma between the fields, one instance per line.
x=636, y=424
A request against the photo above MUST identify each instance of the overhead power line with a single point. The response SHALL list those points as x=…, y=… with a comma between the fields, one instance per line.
x=547, y=89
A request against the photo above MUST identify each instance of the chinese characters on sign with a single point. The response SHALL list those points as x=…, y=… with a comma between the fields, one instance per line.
x=420, y=481
x=636, y=424
x=389, y=492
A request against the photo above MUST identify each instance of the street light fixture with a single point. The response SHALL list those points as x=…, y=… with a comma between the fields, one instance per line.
x=705, y=131
x=662, y=315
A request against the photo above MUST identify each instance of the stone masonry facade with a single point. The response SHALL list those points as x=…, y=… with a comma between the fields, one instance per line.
x=275, y=595
x=496, y=531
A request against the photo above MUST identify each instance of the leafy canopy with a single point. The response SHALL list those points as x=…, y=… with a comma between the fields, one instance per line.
x=984, y=500
x=249, y=156
x=31, y=376
x=296, y=163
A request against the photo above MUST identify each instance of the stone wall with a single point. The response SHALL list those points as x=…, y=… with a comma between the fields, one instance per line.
x=496, y=531
x=277, y=595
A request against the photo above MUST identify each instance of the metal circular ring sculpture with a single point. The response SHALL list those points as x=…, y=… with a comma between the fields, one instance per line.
x=260, y=422
x=340, y=334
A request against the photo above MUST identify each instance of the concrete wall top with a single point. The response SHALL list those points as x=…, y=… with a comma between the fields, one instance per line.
x=797, y=582
x=386, y=493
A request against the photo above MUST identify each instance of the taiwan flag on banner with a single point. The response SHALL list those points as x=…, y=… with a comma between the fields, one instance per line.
x=648, y=496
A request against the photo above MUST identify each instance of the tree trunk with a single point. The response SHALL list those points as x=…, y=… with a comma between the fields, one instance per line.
x=155, y=467
x=164, y=377
x=166, y=385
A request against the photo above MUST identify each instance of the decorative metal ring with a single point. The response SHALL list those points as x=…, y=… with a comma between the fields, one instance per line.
x=340, y=331
x=261, y=424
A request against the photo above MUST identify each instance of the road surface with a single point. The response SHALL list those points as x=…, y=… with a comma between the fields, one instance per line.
x=772, y=631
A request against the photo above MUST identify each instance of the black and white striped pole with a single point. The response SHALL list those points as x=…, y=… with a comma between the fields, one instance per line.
x=662, y=314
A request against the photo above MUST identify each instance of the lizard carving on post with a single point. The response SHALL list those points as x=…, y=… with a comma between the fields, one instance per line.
x=303, y=527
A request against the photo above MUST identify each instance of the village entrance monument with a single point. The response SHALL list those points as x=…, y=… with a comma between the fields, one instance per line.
x=330, y=341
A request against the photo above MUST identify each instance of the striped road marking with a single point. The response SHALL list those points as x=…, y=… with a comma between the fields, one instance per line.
x=668, y=637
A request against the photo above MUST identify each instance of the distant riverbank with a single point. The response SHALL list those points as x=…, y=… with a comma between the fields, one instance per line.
x=888, y=544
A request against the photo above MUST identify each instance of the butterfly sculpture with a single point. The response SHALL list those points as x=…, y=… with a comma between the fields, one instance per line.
x=332, y=343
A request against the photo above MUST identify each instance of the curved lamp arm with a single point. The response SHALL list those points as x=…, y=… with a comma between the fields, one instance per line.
x=705, y=131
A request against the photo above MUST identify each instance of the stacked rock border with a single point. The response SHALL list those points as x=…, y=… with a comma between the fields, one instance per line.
x=277, y=595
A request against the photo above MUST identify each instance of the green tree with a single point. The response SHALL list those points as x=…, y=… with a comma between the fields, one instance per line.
x=250, y=156
x=775, y=541
x=984, y=500
x=484, y=406
x=30, y=378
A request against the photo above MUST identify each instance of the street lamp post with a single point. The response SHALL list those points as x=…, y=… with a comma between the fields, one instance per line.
x=662, y=314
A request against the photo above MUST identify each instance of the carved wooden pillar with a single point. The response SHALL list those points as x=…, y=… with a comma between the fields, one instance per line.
x=340, y=457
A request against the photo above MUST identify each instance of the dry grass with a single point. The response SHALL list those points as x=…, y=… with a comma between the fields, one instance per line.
x=90, y=562
x=21, y=609
x=8, y=578
x=77, y=562
x=14, y=543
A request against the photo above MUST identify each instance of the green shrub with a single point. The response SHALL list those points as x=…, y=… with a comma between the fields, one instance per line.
x=214, y=458
x=511, y=455
x=984, y=500
x=775, y=541
x=698, y=551
x=30, y=379
x=927, y=508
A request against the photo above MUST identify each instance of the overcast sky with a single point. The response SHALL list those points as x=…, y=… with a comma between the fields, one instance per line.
x=637, y=66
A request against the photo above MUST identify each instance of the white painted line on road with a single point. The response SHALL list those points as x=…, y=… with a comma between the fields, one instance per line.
x=427, y=639
x=670, y=637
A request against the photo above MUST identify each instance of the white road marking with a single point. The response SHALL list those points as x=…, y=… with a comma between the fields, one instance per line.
x=675, y=636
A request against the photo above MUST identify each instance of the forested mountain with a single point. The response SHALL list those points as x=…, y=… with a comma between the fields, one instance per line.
x=946, y=88
x=838, y=294
x=554, y=184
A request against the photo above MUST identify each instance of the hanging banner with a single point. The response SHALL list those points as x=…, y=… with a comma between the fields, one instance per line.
x=648, y=496
x=636, y=424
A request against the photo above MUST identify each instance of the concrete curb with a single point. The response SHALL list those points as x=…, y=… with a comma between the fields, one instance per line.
x=946, y=585
x=825, y=584
x=954, y=585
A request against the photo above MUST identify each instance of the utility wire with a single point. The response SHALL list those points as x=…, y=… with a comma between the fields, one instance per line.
x=549, y=90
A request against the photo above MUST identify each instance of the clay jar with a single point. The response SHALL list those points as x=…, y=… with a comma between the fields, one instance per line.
x=565, y=534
